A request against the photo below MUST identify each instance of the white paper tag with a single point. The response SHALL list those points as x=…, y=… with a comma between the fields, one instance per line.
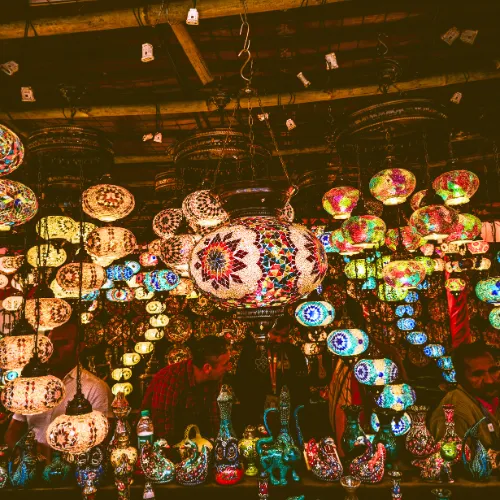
x=491, y=428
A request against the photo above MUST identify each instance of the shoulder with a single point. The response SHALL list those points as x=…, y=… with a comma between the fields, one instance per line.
x=92, y=384
x=170, y=372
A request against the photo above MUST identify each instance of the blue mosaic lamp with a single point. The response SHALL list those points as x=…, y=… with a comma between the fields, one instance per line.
x=349, y=342
x=118, y=272
x=159, y=281
x=416, y=338
x=411, y=297
x=369, y=284
x=434, y=350
x=494, y=318
x=445, y=363
x=315, y=313
x=120, y=295
x=326, y=242
x=108, y=284
x=375, y=371
x=397, y=397
x=399, y=427
x=489, y=290
x=404, y=310
x=450, y=376
x=89, y=297
x=134, y=265
x=406, y=324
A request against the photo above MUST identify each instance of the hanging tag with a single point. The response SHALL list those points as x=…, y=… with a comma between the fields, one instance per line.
x=491, y=428
x=456, y=98
x=451, y=35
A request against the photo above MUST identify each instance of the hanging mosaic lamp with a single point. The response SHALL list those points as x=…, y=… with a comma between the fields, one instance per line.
x=123, y=373
x=120, y=295
x=46, y=255
x=203, y=211
x=488, y=290
x=348, y=342
x=107, y=202
x=155, y=307
x=392, y=186
x=375, y=371
x=416, y=338
x=400, y=425
x=154, y=334
x=162, y=280
x=427, y=249
x=468, y=227
x=134, y=265
x=417, y=198
x=478, y=247
x=166, y=222
x=434, y=350
x=410, y=238
x=119, y=272
x=397, y=397
x=54, y=227
x=315, y=313
x=445, y=363
x=13, y=303
x=81, y=227
x=428, y=264
x=18, y=204
x=434, y=222
x=11, y=151
x=16, y=351
x=110, y=242
x=456, y=187
x=159, y=321
x=92, y=278
x=494, y=318
x=450, y=376
x=122, y=387
x=130, y=358
x=404, y=273
x=144, y=347
x=388, y=293
x=360, y=269
x=406, y=324
x=340, y=245
x=365, y=231
x=455, y=285
x=147, y=259
x=176, y=251
x=47, y=313
x=339, y=202
x=141, y=293
x=9, y=264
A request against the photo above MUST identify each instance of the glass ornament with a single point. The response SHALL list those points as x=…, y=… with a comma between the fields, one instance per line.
x=143, y=348
x=9, y=264
x=110, y=242
x=155, y=307
x=203, y=211
x=478, y=247
x=124, y=387
x=130, y=358
x=77, y=433
x=166, y=222
x=47, y=313
x=325, y=241
x=142, y=294
x=46, y=255
x=12, y=303
x=406, y=324
x=450, y=376
x=348, y=342
x=16, y=351
x=434, y=350
x=455, y=285
x=411, y=297
x=123, y=373
x=388, y=293
x=416, y=338
x=404, y=310
x=18, y=204
x=456, y=187
x=134, y=265
x=392, y=186
x=54, y=227
x=120, y=295
x=397, y=397
x=403, y=273
x=81, y=227
x=339, y=202
x=159, y=321
x=32, y=395
x=410, y=238
x=494, y=318
x=434, y=222
x=375, y=371
x=177, y=249
x=153, y=334
x=107, y=202
x=488, y=291
x=468, y=227
x=340, y=245
x=417, y=198
x=365, y=231
x=315, y=313
x=445, y=363
x=159, y=281
x=258, y=262
x=11, y=151
x=119, y=272
x=92, y=277
x=360, y=269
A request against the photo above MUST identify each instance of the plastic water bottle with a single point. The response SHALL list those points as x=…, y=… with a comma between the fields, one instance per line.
x=145, y=429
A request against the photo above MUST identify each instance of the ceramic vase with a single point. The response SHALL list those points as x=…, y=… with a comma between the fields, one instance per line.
x=450, y=434
x=387, y=438
x=352, y=430
x=419, y=441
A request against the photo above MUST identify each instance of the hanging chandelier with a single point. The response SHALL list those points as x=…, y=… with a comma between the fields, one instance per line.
x=203, y=212
x=456, y=187
x=92, y=277
x=16, y=351
x=110, y=243
x=166, y=222
x=18, y=204
x=47, y=313
x=434, y=222
x=365, y=231
x=107, y=202
x=11, y=151
x=339, y=202
x=392, y=186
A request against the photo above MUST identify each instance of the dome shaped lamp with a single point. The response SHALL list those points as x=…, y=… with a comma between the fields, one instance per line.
x=18, y=204
x=339, y=202
x=166, y=222
x=11, y=151
x=203, y=211
x=340, y=245
x=107, y=202
x=455, y=286
x=456, y=187
x=467, y=228
x=392, y=186
x=404, y=273
x=365, y=231
x=434, y=222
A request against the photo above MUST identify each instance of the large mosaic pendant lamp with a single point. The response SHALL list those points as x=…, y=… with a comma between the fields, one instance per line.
x=392, y=186
x=457, y=186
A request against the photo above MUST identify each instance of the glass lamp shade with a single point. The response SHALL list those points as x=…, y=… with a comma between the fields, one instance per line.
x=392, y=186
x=162, y=280
x=456, y=187
x=445, y=363
x=85, y=227
x=339, y=202
x=177, y=249
x=360, y=269
x=125, y=387
x=406, y=324
x=9, y=264
x=387, y=293
x=155, y=246
x=339, y=244
x=32, y=395
x=417, y=198
x=86, y=318
x=147, y=259
x=365, y=231
x=315, y=313
x=455, y=285
x=404, y=310
x=134, y=265
x=51, y=313
x=18, y=204
x=107, y=202
x=130, y=358
x=434, y=222
x=166, y=222
x=155, y=307
x=348, y=342
x=110, y=242
x=141, y=293
x=427, y=249
x=397, y=397
x=434, y=350
x=146, y=347
x=153, y=334
x=399, y=427
x=120, y=295
x=468, y=227
x=46, y=255
x=12, y=303
x=427, y=262
x=185, y=288
x=54, y=227
x=494, y=318
x=203, y=212
x=4, y=281
x=123, y=373
x=159, y=321
x=411, y=297
x=403, y=273
x=478, y=247
x=450, y=376
x=118, y=272
x=410, y=238
x=258, y=262
x=16, y=351
x=77, y=433
x=93, y=277
x=488, y=290
x=416, y=338
x=11, y=151
x=375, y=371
x=325, y=241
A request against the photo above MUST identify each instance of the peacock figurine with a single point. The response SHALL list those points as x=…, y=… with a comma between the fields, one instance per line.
x=323, y=459
x=155, y=464
x=479, y=467
x=193, y=469
x=370, y=466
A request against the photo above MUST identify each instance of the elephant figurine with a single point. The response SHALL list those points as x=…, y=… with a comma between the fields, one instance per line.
x=281, y=454
x=323, y=459
x=479, y=467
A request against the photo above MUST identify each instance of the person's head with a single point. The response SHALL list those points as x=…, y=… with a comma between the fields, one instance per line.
x=477, y=370
x=64, y=358
x=211, y=358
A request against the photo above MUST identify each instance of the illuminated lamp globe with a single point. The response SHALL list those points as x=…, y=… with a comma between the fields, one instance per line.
x=339, y=202
x=107, y=202
x=85, y=227
x=348, y=342
x=365, y=231
x=203, y=211
x=18, y=204
x=11, y=151
x=427, y=262
x=9, y=264
x=417, y=198
x=155, y=307
x=434, y=222
x=185, y=288
x=130, y=358
x=110, y=242
x=445, y=363
x=102, y=261
x=387, y=293
x=162, y=280
x=54, y=227
x=153, y=334
x=16, y=351
x=404, y=273
x=147, y=259
x=316, y=313
x=434, y=351
x=494, y=318
x=488, y=291
x=86, y=318
x=478, y=247
x=360, y=269
x=438, y=265
x=120, y=295
x=392, y=186
x=46, y=255
x=340, y=245
x=410, y=238
x=155, y=246
x=141, y=293
x=455, y=285
x=375, y=371
x=159, y=321
x=119, y=272
x=12, y=303
x=427, y=249
x=416, y=338
x=134, y=265
x=166, y=222
x=144, y=347
x=123, y=373
x=4, y=281
x=132, y=282
x=124, y=387
x=48, y=313
x=92, y=278
x=456, y=187
x=176, y=251
x=468, y=227
x=397, y=397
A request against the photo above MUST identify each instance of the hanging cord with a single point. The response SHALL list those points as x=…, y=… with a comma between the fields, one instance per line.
x=245, y=51
x=251, y=135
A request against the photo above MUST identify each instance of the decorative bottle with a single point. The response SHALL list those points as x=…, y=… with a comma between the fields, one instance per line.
x=247, y=449
x=352, y=430
x=387, y=438
x=419, y=440
x=450, y=434
x=57, y=472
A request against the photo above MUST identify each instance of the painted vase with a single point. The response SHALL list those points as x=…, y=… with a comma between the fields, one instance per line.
x=228, y=468
x=450, y=434
x=387, y=438
x=352, y=430
x=396, y=477
x=57, y=472
x=248, y=450
x=90, y=470
x=479, y=467
x=419, y=440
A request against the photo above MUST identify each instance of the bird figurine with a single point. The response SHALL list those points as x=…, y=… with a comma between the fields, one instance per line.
x=370, y=466
x=323, y=459
x=155, y=464
x=193, y=469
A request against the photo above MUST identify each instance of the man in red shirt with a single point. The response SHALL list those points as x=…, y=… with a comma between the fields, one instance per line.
x=186, y=393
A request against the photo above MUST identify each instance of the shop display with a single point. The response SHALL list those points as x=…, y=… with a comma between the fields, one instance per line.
x=479, y=467
x=323, y=459
x=370, y=466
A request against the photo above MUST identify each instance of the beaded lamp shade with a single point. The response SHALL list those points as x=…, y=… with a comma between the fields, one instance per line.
x=166, y=222
x=434, y=222
x=315, y=313
x=110, y=242
x=339, y=244
x=375, y=371
x=416, y=338
x=467, y=228
x=488, y=290
x=107, y=202
x=417, y=198
x=494, y=318
x=85, y=227
x=53, y=227
x=434, y=350
x=11, y=151
x=397, y=397
x=177, y=250
x=16, y=351
x=93, y=277
x=46, y=255
x=404, y=273
x=162, y=280
x=120, y=295
x=119, y=272
x=349, y=342
x=18, y=204
x=144, y=347
x=365, y=231
x=478, y=247
x=9, y=264
x=339, y=202
x=12, y=303
x=392, y=186
x=410, y=238
x=203, y=212
x=456, y=187
x=147, y=259
x=48, y=313
x=32, y=395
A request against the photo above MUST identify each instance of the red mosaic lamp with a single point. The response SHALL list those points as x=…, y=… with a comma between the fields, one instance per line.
x=456, y=187
x=365, y=231
x=340, y=201
x=434, y=222
x=467, y=228
x=392, y=186
x=403, y=273
x=410, y=238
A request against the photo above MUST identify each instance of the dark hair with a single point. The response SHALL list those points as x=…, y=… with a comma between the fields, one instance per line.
x=207, y=348
x=467, y=351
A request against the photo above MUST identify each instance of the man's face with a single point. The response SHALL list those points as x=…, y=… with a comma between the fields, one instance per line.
x=219, y=367
x=63, y=357
x=482, y=376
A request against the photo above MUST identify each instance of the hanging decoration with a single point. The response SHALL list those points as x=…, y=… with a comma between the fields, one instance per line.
x=46, y=255
x=456, y=187
x=434, y=222
x=404, y=273
x=315, y=314
x=339, y=202
x=47, y=313
x=392, y=186
x=18, y=204
x=203, y=212
x=166, y=222
x=92, y=277
x=16, y=351
x=11, y=151
x=107, y=202
x=110, y=242
x=365, y=231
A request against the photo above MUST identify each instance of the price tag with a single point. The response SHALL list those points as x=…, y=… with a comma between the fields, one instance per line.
x=491, y=428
